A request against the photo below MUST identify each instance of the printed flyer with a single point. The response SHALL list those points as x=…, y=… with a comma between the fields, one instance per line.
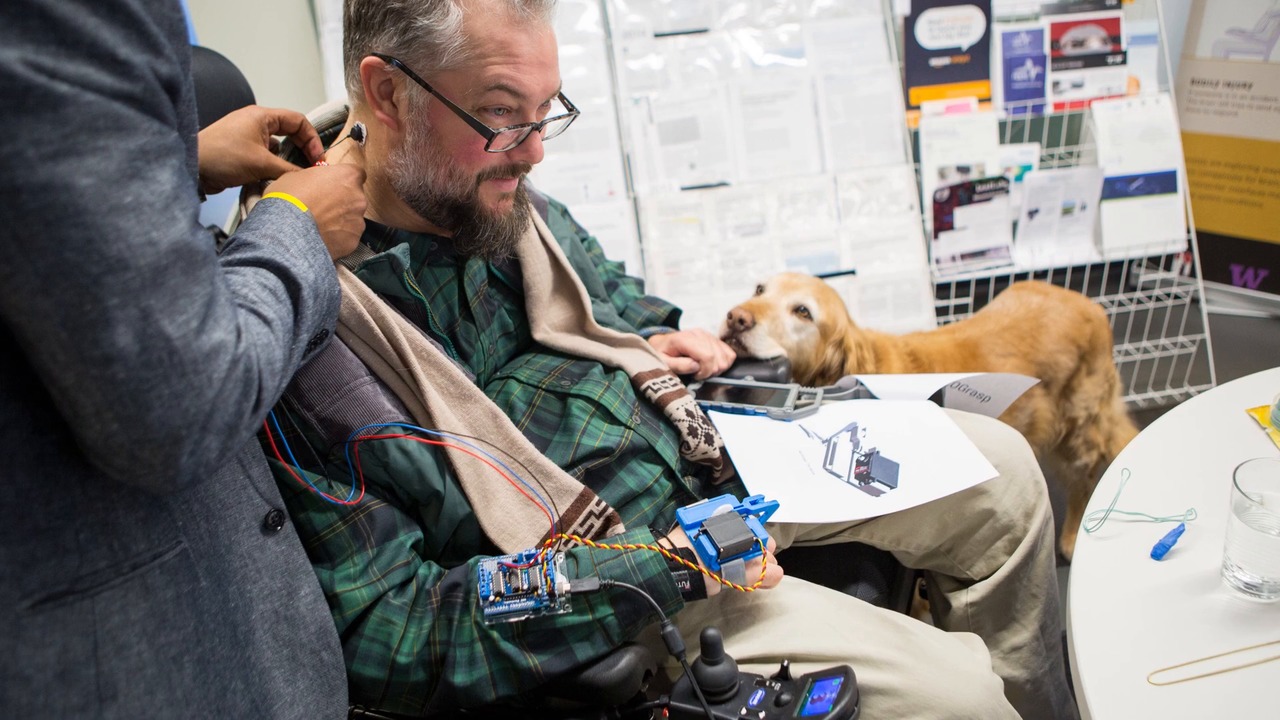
x=947, y=50
x=972, y=227
x=1086, y=59
x=1022, y=69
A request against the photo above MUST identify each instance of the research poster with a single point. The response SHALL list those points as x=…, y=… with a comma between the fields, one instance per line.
x=1229, y=109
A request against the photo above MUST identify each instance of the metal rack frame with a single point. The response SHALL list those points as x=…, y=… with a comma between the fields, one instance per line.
x=1153, y=296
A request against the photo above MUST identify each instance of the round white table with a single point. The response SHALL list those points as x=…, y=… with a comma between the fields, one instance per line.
x=1128, y=615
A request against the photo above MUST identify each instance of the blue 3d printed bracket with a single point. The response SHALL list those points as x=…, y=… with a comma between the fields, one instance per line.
x=726, y=533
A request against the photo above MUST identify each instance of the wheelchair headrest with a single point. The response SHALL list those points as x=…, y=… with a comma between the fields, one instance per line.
x=220, y=86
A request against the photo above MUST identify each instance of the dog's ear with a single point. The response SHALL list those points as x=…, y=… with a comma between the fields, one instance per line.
x=859, y=352
x=849, y=351
x=831, y=364
x=833, y=355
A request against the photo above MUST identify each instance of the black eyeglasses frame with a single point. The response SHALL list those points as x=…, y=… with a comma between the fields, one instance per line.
x=488, y=133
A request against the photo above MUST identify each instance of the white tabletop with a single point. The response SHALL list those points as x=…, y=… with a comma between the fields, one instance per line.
x=1128, y=615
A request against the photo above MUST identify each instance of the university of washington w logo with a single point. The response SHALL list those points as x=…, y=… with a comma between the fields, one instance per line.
x=1247, y=276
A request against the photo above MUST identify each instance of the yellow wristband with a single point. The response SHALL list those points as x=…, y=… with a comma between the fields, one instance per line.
x=286, y=196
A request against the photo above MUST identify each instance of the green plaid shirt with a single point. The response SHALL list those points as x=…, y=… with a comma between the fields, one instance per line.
x=399, y=568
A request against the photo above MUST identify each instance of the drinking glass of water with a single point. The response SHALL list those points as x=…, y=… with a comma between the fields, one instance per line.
x=1251, y=559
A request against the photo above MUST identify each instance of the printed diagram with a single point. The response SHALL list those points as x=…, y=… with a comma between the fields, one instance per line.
x=1258, y=42
x=845, y=458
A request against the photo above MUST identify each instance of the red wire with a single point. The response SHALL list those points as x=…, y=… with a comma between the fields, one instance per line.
x=426, y=441
x=275, y=450
x=462, y=448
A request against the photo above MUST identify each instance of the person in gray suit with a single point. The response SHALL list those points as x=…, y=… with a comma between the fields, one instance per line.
x=147, y=566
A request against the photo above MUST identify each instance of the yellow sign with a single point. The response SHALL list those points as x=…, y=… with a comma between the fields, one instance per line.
x=1235, y=185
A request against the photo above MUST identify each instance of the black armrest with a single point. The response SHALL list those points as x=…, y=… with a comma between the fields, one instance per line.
x=612, y=680
x=591, y=690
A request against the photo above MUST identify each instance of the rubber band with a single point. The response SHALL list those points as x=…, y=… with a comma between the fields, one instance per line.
x=287, y=198
x=1206, y=658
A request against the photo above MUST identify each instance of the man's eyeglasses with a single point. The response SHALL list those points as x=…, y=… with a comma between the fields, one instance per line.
x=498, y=139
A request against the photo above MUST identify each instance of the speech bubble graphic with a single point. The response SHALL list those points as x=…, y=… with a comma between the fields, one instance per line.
x=959, y=26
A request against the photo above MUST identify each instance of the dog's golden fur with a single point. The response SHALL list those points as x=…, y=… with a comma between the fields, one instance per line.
x=1074, y=418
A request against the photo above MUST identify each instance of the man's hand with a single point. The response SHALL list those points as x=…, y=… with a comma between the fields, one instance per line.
x=693, y=352
x=239, y=148
x=772, y=570
x=335, y=196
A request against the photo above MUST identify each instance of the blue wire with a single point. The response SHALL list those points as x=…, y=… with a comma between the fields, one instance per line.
x=460, y=440
x=303, y=473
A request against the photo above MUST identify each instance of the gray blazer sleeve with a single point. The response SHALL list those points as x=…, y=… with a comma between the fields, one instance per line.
x=162, y=356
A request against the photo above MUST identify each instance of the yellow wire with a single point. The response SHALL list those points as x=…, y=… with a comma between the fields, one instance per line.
x=764, y=564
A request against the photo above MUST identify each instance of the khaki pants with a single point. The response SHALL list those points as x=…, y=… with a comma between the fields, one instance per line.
x=989, y=555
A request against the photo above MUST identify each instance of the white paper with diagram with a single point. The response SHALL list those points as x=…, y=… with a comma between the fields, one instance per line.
x=853, y=459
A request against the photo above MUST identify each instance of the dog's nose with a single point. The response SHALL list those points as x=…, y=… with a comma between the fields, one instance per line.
x=741, y=320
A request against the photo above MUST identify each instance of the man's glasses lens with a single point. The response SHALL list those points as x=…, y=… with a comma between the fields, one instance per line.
x=508, y=139
x=557, y=126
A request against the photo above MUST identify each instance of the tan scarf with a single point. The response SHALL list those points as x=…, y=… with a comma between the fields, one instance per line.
x=438, y=394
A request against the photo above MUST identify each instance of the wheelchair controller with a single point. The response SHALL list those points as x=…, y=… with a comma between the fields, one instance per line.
x=726, y=534
x=830, y=694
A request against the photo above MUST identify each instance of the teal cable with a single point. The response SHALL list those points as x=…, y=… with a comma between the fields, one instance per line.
x=1095, y=520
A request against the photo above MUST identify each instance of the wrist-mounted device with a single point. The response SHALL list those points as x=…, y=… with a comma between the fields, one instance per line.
x=726, y=534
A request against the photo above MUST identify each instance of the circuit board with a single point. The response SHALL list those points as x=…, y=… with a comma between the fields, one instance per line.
x=519, y=586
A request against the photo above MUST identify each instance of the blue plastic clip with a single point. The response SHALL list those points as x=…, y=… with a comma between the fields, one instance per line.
x=1167, y=542
x=755, y=511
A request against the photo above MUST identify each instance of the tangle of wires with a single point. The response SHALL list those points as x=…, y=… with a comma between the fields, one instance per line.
x=539, y=495
x=469, y=445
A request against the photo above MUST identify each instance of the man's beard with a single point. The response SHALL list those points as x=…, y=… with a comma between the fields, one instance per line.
x=425, y=178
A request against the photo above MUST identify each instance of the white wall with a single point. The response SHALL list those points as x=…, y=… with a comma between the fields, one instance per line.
x=1176, y=13
x=273, y=42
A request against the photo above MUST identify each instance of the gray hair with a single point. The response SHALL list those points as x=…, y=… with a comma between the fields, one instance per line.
x=426, y=34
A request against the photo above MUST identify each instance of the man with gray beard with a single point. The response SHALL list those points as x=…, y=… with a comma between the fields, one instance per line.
x=480, y=320
x=422, y=176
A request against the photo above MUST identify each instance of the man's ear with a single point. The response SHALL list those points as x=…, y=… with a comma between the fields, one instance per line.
x=381, y=92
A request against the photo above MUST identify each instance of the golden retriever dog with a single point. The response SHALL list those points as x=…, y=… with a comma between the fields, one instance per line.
x=1074, y=418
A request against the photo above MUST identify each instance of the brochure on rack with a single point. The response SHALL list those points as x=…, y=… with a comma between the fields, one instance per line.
x=1020, y=68
x=1059, y=212
x=1016, y=161
x=1140, y=153
x=972, y=226
x=956, y=147
x=1086, y=59
x=947, y=51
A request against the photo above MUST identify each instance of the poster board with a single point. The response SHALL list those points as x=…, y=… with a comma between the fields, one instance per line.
x=1229, y=107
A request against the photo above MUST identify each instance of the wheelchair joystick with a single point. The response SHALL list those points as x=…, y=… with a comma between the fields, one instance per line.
x=830, y=694
x=714, y=671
